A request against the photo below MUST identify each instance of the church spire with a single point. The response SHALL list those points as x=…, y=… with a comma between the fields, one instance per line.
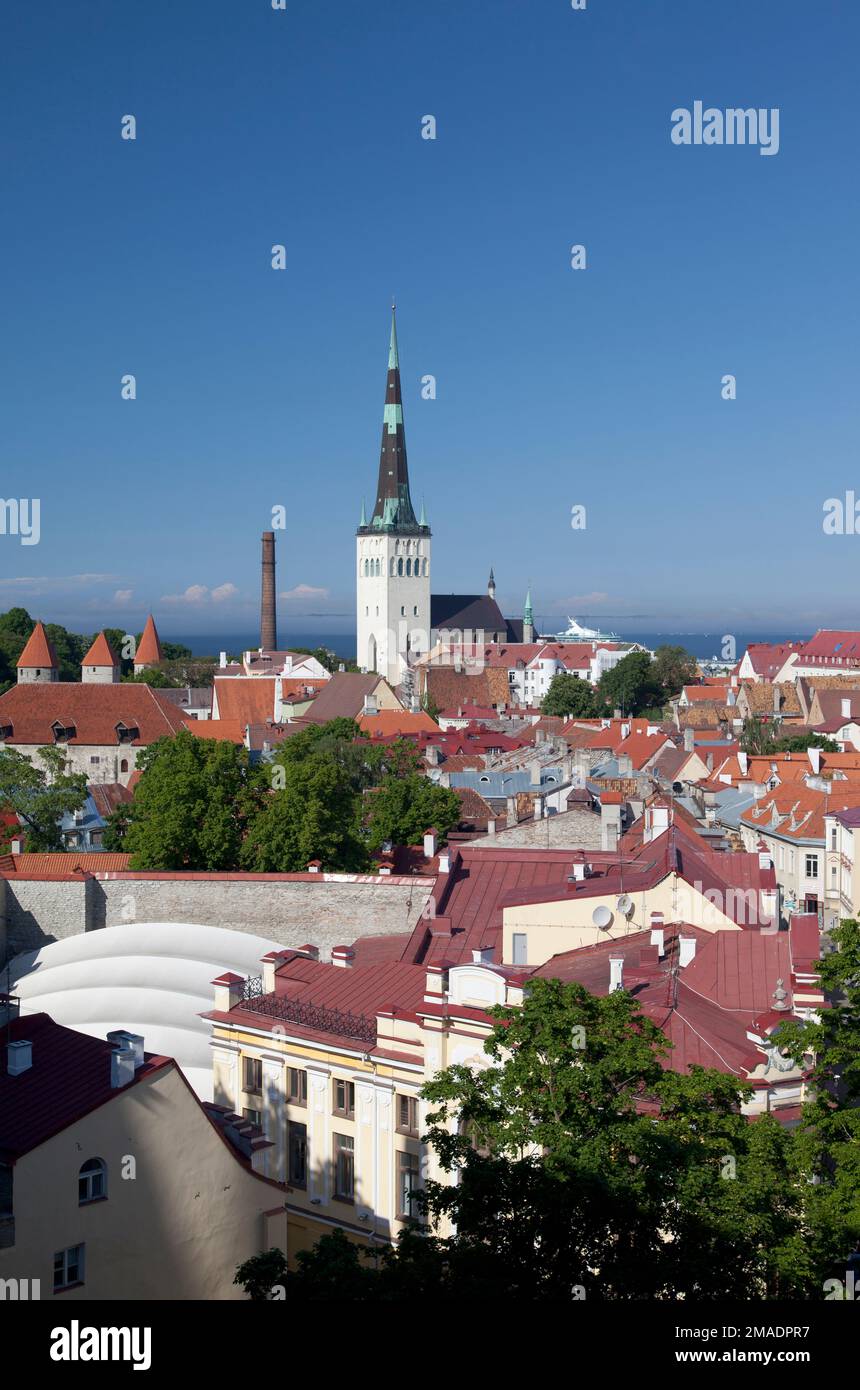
x=393, y=509
x=528, y=618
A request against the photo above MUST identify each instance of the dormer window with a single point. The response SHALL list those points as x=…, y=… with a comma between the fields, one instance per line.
x=5, y=731
x=62, y=732
x=126, y=733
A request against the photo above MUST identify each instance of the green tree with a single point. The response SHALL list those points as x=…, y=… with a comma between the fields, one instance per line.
x=757, y=736
x=41, y=796
x=401, y=808
x=798, y=743
x=570, y=697
x=312, y=813
x=192, y=805
x=631, y=686
x=673, y=668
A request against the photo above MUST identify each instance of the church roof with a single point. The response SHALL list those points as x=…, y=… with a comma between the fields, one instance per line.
x=475, y=611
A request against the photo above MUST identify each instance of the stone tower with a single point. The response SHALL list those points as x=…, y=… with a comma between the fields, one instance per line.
x=528, y=619
x=38, y=663
x=149, y=648
x=392, y=553
x=101, y=664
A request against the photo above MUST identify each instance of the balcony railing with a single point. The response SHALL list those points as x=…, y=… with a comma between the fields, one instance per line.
x=316, y=1016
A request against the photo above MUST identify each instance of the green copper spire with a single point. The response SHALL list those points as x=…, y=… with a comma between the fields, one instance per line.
x=393, y=507
x=423, y=520
x=527, y=611
x=363, y=521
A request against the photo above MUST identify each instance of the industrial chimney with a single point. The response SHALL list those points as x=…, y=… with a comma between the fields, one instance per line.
x=268, y=617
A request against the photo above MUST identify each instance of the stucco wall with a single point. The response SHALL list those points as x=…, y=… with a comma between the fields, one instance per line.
x=574, y=829
x=181, y=1212
x=326, y=912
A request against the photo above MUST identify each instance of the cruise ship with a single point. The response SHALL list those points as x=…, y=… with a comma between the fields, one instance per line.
x=576, y=632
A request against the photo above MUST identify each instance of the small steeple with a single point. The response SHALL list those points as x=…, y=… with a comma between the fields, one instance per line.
x=528, y=619
x=363, y=521
x=149, y=648
x=491, y=584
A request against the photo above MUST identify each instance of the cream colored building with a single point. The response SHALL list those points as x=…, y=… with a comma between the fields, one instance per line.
x=115, y=1182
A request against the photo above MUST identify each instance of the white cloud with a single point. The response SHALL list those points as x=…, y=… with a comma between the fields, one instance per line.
x=122, y=596
x=304, y=591
x=195, y=593
x=223, y=592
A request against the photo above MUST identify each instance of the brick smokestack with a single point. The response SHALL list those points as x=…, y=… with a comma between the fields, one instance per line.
x=268, y=617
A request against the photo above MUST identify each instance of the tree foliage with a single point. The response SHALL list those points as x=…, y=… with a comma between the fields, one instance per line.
x=571, y=697
x=40, y=795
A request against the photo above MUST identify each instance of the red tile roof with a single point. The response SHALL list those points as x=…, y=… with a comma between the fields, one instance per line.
x=149, y=648
x=245, y=699
x=227, y=730
x=93, y=710
x=101, y=653
x=69, y=1078
x=38, y=651
x=397, y=723
x=91, y=862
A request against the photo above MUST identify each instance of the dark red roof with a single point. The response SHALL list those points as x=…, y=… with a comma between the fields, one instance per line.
x=70, y=1076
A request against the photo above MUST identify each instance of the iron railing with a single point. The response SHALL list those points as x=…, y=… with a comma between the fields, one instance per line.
x=317, y=1016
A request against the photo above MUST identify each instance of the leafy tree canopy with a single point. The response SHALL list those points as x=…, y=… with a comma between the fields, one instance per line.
x=40, y=795
x=571, y=697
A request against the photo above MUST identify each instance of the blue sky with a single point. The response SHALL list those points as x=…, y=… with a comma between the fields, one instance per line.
x=555, y=387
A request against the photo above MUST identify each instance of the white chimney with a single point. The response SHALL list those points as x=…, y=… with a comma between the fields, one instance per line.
x=342, y=956
x=815, y=759
x=535, y=771
x=128, y=1042
x=658, y=938
x=483, y=956
x=616, y=973
x=430, y=843
x=686, y=950
x=19, y=1057
x=121, y=1068
x=743, y=763
x=444, y=860
x=222, y=660
x=846, y=707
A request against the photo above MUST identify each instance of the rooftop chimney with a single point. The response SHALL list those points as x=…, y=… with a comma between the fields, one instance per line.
x=430, y=843
x=128, y=1042
x=686, y=950
x=121, y=1067
x=616, y=973
x=19, y=1057
x=846, y=707
x=342, y=956
x=444, y=861
x=815, y=760
x=743, y=763
x=268, y=617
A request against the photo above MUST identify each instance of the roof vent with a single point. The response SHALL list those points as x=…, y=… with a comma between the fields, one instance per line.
x=128, y=1042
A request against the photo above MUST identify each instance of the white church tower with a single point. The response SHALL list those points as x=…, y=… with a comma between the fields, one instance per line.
x=392, y=554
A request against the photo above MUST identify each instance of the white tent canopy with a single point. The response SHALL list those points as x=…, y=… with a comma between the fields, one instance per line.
x=153, y=978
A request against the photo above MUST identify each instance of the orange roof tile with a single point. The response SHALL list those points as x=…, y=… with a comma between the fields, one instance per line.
x=397, y=721
x=228, y=730
x=149, y=648
x=92, y=710
x=38, y=651
x=248, y=699
x=101, y=653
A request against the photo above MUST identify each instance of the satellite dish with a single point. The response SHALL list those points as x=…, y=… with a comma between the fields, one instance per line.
x=601, y=917
x=625, y=905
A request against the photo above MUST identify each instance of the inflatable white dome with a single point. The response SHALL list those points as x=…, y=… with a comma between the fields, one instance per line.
x=153, y=978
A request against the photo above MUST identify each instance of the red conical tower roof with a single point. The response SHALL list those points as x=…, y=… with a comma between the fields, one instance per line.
x=101, y=653
x=38, y=651
x=149, y=649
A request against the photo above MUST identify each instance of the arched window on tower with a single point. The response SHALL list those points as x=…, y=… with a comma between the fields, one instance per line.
x=409, y=569
x=425, y=569
x=393, y=567
x=400, y=565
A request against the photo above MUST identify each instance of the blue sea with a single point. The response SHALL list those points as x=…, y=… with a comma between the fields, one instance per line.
x=701, y=645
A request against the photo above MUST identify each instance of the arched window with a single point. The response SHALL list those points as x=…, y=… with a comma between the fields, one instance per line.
x=393, y=567
x=409, y=569
x=379, y=567
x=92, y=1181
x=400, y=565
x=123, y=766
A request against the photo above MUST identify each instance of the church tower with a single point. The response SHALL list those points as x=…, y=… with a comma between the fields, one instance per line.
x=392, y=553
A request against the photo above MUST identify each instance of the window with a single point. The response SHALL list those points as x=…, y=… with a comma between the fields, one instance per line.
x=833, y=834
x=123, y=766
x=407, y=1184
x=344, y=1099
x=520, y=948
x=407, y=1114
x=811, y=866
x=297, y=1154
x=95, y=760
x=297, y=1086
x=344, y=1167
x=92, y=1181
x=252, y=1069
x=254, y=1117
x=68, y=1267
